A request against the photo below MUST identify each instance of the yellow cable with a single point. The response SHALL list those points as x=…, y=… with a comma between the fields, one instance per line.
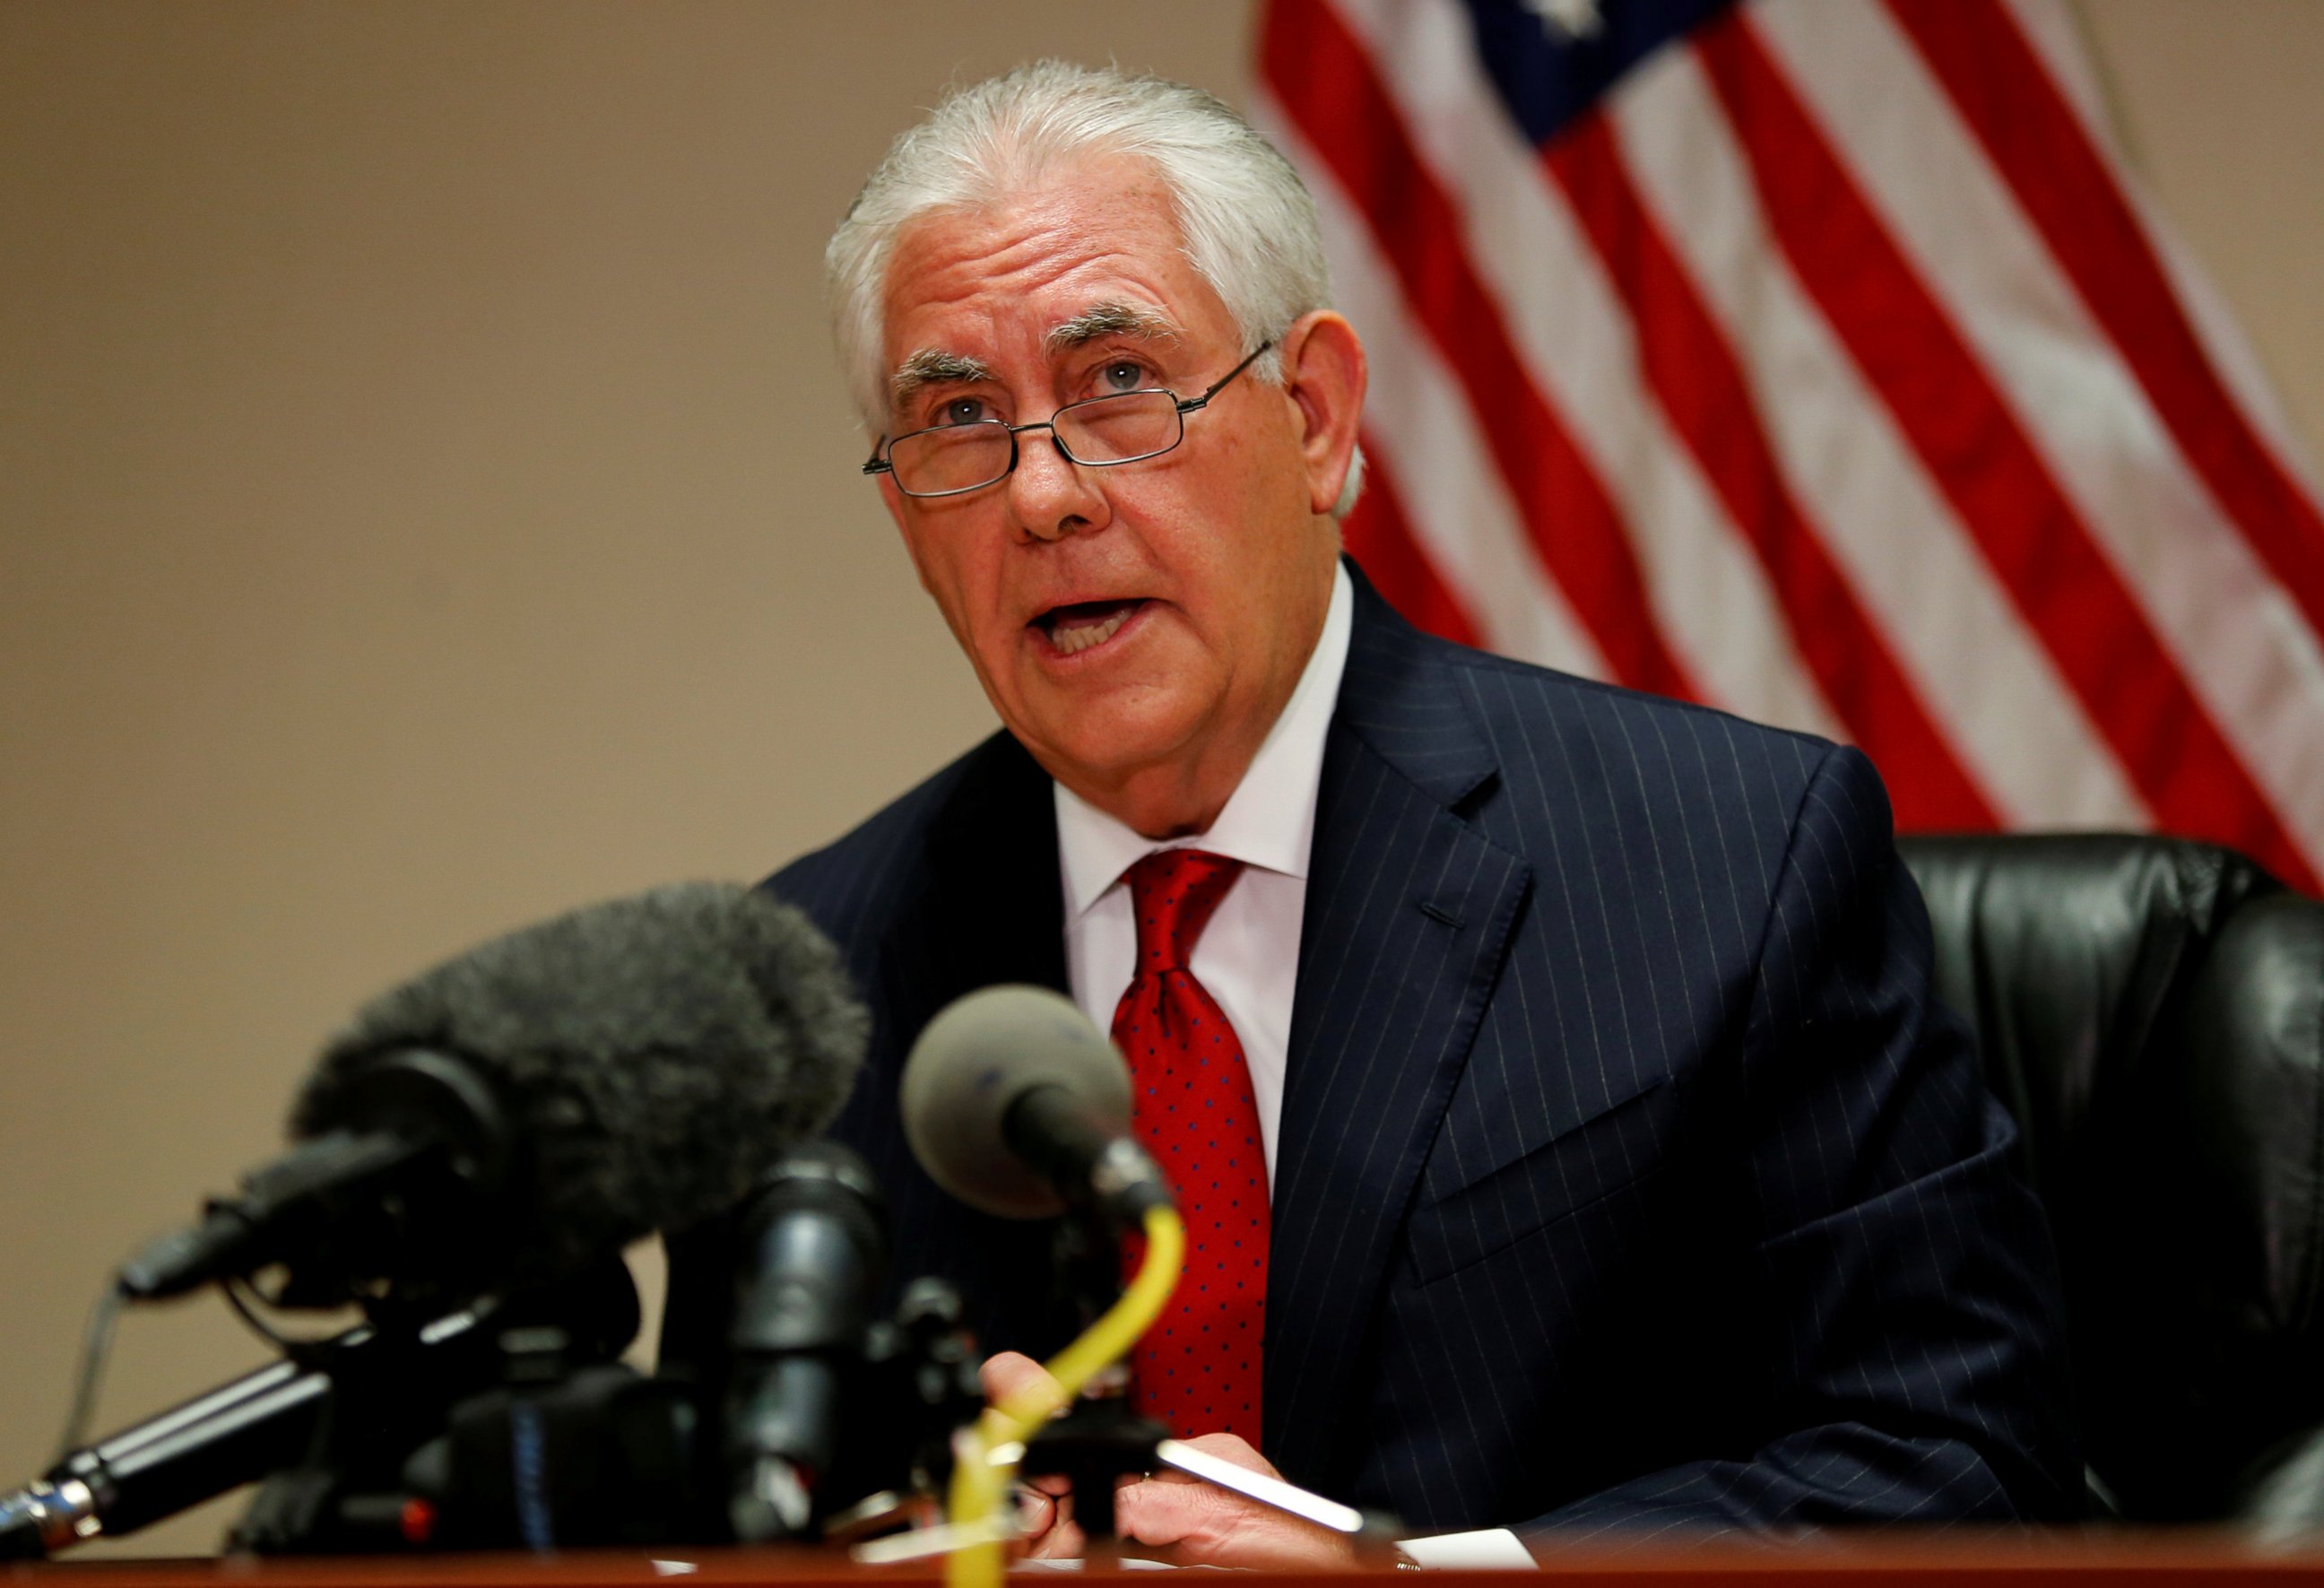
x=978, y=1486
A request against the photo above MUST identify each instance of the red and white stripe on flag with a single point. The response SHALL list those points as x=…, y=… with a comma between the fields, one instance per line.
x=1821, y=362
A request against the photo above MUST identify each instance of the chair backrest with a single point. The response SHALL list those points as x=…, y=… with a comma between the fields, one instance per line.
x=2151, y=1009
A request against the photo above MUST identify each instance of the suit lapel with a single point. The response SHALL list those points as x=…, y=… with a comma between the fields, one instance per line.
x=991, y=910
x=1408, y=915
x=995, y=909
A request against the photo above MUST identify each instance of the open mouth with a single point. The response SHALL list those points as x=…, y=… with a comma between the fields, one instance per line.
x=1081, y=625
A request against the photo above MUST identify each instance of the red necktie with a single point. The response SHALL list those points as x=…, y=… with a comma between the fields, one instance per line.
x=1197, y=1368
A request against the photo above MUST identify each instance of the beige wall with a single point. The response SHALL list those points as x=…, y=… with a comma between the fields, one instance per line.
x=2221, y=104
x=427, y=502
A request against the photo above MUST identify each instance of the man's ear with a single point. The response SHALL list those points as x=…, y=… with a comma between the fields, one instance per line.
x=1323, y=373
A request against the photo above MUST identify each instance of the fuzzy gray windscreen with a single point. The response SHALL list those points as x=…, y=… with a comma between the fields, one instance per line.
x=654, y=1053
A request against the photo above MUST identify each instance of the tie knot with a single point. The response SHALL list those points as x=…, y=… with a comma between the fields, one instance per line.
x=1172, y=893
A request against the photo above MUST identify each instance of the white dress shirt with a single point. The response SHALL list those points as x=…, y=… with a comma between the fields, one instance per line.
x=1248, y=957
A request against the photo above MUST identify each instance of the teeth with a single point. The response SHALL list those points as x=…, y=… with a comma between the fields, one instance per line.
x=1072, y=637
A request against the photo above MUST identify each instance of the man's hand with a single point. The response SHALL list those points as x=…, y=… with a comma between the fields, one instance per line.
x=1195, y=1523
x=1181, y=1519
x=1045, y=1505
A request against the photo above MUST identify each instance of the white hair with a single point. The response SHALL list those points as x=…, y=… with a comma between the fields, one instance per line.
x=1247, y=220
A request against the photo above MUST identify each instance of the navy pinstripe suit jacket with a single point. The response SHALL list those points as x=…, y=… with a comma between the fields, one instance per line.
x=1628, y=1171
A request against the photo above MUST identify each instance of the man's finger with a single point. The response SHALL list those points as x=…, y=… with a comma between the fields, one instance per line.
x=1235, y=1448
x=1044, y=1511
x=1044, y=1502
x=1010, y=1375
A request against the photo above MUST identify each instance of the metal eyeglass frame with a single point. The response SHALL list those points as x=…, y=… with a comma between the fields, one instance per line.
x=879, y=465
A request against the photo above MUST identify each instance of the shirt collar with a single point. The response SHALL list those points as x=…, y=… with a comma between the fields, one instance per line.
x=1269, y=820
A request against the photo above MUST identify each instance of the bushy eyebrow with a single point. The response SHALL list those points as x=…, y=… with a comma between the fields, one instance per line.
x=1111, y=319
x=932, y=366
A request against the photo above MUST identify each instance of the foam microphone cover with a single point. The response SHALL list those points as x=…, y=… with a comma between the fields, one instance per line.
x=979, y=1055
x=654, y=1056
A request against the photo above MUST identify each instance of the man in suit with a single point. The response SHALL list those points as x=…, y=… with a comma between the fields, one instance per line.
x=1619, y=1168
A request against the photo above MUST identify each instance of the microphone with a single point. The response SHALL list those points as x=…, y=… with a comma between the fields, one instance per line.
x=1016, y=1104
x=547, y=1097
x=814, y=1252
x=268, y=1418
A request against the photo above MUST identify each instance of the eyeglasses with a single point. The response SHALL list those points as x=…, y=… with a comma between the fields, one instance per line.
x=1098, y=432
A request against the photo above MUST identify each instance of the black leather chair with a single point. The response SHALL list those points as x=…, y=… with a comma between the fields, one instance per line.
x=2153, y=1011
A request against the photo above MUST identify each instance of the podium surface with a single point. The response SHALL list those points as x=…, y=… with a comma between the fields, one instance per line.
x=2107, y=1560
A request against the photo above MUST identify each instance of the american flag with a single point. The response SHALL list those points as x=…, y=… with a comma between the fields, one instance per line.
x=1821, y=360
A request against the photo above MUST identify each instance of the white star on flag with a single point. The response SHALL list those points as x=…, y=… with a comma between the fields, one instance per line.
x=1576, y=19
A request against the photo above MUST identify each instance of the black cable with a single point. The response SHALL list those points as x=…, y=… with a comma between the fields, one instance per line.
x=97, y=1344
x=240, y=1294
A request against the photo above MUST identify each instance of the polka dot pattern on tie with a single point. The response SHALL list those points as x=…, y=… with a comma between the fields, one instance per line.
x=1197, y=1368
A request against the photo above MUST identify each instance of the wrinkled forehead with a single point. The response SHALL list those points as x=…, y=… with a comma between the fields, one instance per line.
x=1100, y=238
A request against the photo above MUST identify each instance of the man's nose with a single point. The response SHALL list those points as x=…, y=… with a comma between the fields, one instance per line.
x=1049, y=496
